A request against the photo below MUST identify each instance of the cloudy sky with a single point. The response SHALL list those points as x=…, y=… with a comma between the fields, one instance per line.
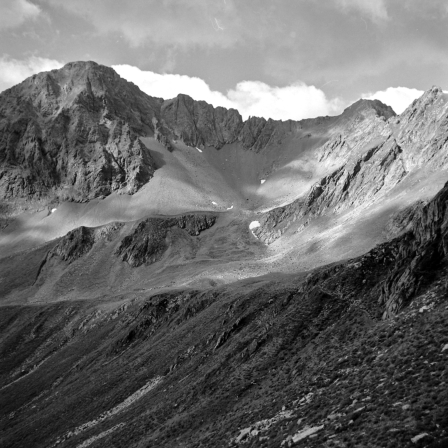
x=273, y=58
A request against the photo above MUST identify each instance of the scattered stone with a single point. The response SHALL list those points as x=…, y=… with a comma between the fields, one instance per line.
x=305, y=433
x=419, y=437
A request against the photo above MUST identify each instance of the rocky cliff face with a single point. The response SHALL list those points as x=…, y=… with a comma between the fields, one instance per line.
x=147, y=243
x=420, y=254
x=375, y=153
x=80, y=241
x=200, y=124
x=74, y=133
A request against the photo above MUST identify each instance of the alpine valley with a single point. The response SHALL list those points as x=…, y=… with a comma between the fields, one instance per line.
x=174, y=276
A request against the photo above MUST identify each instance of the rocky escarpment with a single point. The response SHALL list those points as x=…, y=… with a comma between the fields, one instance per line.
x=199, y=124
x=359, y=182
x=147, y=243
x=80, y=241
x=421, y=253
x=74, y=133
x=422, y=130
x=75, y=244
x=374, y=157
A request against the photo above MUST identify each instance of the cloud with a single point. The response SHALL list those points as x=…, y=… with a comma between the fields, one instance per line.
x=168, y=85
x=399, y=98
x=15, y=12
x=294, y=102
x=373, y=9
x=179, y=23
x=14, y=71
x=250, y=98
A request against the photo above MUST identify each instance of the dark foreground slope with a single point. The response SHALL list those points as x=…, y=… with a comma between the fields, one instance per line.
x=306, y=360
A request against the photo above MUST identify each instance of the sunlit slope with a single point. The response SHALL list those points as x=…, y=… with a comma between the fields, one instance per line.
x=186, y=179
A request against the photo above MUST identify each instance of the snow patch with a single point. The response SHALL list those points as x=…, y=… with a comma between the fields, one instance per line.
x=53, y=210
x=198, y=149
x=230, y=208
x=445, y=347
x=262, y=181
x=214, y=203
x=253, y=225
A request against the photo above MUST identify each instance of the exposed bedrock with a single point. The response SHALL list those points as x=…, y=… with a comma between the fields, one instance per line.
x=74, y=133
x=418, y=138
x=147, y=243
x=420, y=254
x=80, y=241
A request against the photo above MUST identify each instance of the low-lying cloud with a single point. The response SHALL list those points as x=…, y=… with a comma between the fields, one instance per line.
x=399, y=98
x=14, y=71
x=250, y=98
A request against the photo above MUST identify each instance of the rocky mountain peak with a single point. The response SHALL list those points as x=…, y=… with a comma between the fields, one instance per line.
x=74, y=133
x=433, y=96
x=366, y=107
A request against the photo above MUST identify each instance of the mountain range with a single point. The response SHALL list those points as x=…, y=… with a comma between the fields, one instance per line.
x=172, y=275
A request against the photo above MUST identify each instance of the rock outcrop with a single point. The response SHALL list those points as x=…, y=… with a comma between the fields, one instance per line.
x=375, y=151
x=421, y=253
x=74, y=133
x=359, y=182
x=147, y=243
x=80, y=241
x=198, y=123
x=75, y=244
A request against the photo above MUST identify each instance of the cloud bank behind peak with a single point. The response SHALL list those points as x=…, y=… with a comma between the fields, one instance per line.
x=250, y=98
x=295, y=101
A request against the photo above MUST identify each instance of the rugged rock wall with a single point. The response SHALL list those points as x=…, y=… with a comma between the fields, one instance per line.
x=147, y=243
x=375, y=156
x=74, y=132
x=200, y=124
x=80, y=241
x=420, y=254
